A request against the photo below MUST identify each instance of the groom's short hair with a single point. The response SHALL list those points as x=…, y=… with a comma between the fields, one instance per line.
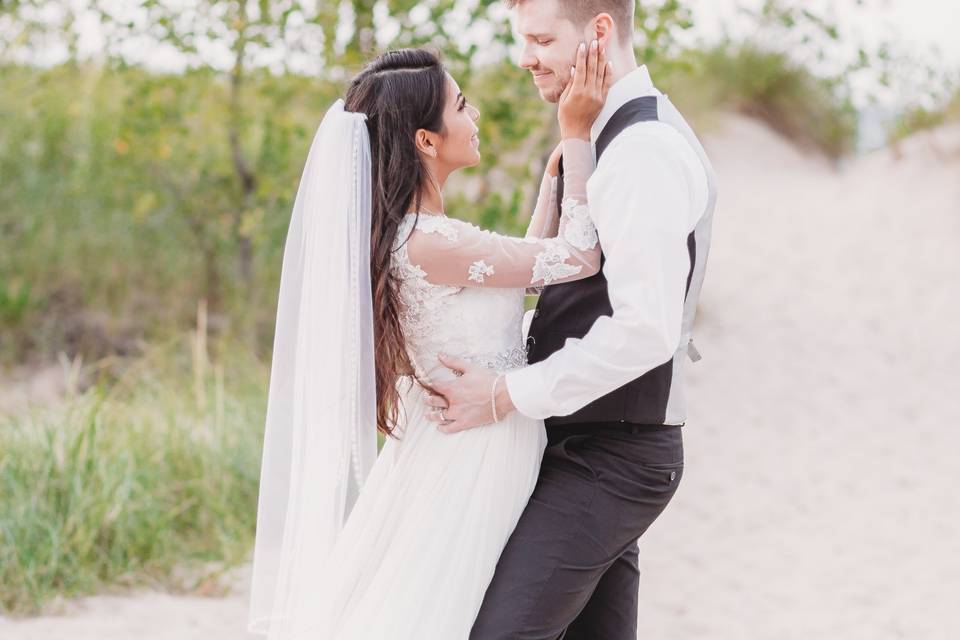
x=579, y=12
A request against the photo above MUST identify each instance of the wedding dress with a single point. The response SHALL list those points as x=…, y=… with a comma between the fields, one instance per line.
x=420, y=544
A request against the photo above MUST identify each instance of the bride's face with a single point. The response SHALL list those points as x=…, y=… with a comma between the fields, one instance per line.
x=458, y=146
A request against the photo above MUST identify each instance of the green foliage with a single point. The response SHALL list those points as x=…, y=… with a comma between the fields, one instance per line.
x=14, y=301
x=418, y=24
x=921, y=118
x=120, y=207
x=657, y=25
x=770, y=86
x=517, y=132
x=139, y=476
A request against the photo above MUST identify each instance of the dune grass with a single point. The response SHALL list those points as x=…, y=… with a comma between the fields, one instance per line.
x=147, y=477
x=921, y=119
x=813, y=112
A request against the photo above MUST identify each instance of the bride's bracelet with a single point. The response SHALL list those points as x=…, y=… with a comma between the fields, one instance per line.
x=493, y=397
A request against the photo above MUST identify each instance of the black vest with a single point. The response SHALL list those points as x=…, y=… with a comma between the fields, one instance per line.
x=569, y=309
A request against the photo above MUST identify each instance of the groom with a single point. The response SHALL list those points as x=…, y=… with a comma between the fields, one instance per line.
x=606, y=354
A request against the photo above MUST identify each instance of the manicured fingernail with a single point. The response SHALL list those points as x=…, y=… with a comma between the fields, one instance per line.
x=594, y=44
x=573, y=70
x=583, y=47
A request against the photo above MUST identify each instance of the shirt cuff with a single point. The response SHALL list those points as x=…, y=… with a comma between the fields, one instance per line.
x=520, y=383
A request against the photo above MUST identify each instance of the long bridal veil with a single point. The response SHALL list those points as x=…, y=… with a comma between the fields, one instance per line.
x=320, y=435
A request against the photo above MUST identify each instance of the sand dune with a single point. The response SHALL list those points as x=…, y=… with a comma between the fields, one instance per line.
x=819, y=497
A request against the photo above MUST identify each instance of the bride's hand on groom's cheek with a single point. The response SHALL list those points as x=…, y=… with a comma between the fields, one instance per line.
x=463, y=403
x=585, y=93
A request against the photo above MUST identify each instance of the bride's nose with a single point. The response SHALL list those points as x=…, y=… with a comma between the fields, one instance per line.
x=474, y=112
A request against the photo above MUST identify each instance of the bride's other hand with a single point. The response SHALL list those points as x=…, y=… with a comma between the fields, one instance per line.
x=585, y=93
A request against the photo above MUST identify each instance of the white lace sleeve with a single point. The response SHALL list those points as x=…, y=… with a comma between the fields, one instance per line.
x=454, y=252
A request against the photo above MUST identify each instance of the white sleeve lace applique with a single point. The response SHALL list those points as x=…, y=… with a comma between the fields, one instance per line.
x=478, y=270
x=550, y=264
x=576, y=227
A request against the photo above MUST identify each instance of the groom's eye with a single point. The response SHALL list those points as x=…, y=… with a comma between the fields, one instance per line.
x=544, y=43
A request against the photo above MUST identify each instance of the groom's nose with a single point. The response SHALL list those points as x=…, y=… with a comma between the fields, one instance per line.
x=527, y=59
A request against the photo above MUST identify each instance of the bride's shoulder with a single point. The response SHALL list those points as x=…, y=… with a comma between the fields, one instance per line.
x=433, y=224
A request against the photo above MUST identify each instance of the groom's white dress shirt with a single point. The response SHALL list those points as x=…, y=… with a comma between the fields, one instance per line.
x=645, y=197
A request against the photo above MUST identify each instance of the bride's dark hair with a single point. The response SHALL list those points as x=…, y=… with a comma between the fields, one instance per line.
x=400, y=92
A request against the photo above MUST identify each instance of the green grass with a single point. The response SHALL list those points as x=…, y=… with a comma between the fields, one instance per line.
x=148, y=472
x=120, y=207
x=921, y=119
x=811, y=111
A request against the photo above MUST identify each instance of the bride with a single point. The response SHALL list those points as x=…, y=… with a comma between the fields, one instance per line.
x=377, y=281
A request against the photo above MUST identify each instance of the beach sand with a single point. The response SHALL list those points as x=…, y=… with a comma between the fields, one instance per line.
x=820, y=496
x=820, y=491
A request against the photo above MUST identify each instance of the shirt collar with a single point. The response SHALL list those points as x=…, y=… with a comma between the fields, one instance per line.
x=633, y=85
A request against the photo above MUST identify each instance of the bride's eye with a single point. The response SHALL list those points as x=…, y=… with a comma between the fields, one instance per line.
x=463, y=104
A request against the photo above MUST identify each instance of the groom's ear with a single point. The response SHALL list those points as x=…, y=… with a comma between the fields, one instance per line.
x=603, y=28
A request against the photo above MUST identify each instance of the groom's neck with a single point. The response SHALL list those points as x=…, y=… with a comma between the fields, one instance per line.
x=623, y=61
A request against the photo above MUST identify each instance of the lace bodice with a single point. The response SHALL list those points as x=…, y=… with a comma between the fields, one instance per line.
x=479, y=323
x=462, y=287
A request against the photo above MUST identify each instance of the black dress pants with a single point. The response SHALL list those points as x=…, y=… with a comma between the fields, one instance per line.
x=570, y=569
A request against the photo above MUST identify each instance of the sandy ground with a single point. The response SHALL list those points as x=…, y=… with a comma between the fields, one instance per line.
x=28, y=387
x=820, y=494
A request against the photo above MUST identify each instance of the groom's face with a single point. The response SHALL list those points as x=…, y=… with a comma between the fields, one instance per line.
x=550, y=44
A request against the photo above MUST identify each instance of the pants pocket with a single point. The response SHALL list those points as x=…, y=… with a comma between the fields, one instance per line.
x=671, y=472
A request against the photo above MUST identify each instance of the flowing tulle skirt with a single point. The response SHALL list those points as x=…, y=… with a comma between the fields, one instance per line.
x=422, y=542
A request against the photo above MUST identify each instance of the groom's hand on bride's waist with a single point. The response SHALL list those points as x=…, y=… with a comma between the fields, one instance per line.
x=469, y=400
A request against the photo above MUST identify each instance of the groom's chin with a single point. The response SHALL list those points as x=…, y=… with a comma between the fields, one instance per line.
x=551, y=95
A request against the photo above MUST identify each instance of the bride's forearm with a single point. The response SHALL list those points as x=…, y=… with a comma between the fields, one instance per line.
x=544, y=222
